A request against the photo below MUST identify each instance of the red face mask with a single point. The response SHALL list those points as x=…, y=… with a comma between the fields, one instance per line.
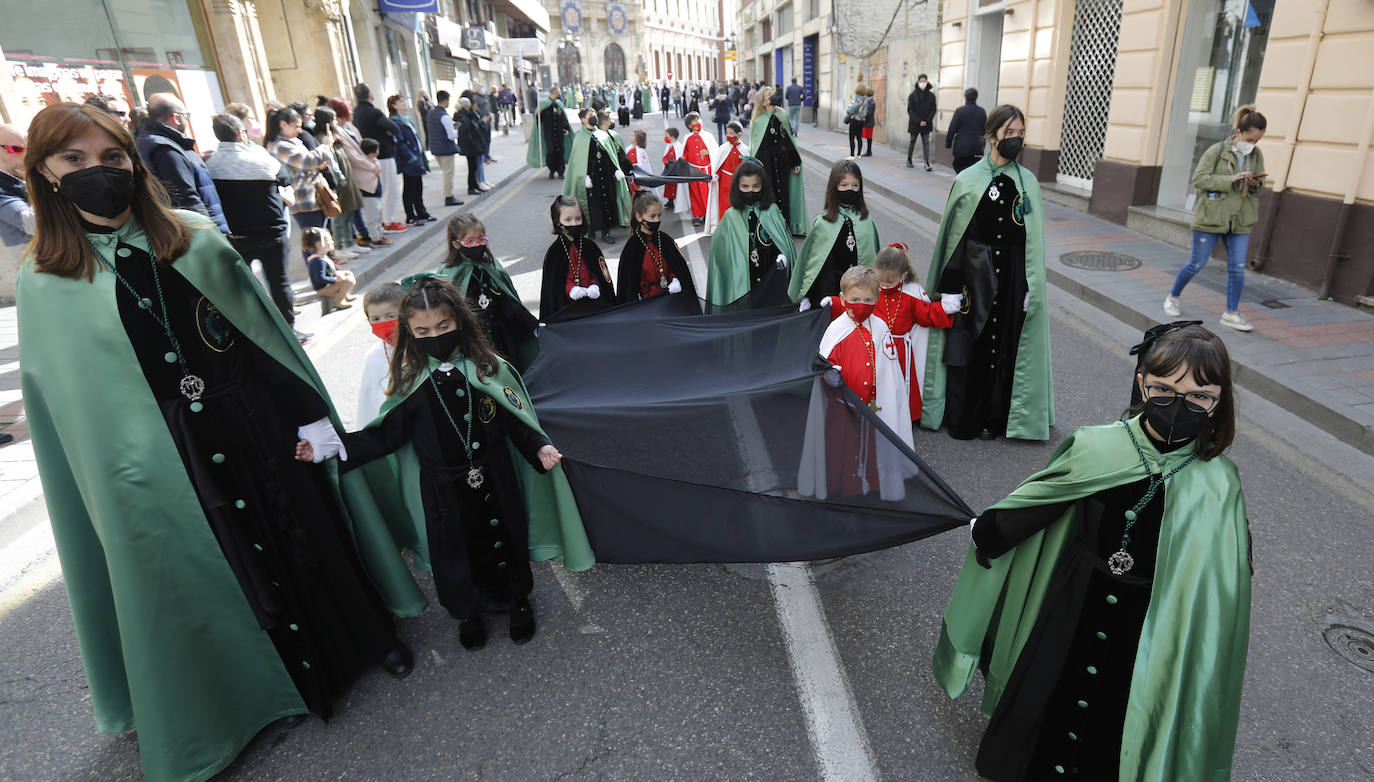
x=667, y=139
x=386, y=331
x=859, y=312
x=696, y=128
x=894, y=286
x=732, y=139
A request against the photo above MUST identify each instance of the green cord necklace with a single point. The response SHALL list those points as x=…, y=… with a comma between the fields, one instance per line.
x=1122, y=561
x=475, y=476
x=192, y=386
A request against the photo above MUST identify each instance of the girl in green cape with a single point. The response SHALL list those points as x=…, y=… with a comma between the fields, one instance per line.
x=751, y=249
x=596, y=177
x=989, y=375
x=215, y=583
x=841, y=237
x=1107, y=600
x=487, y=475
x=771, y=142
x=483, y=281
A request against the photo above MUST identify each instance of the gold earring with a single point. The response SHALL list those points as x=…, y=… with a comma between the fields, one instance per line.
x=54, y=187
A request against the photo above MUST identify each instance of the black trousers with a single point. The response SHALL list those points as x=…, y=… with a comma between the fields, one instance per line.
x=413, y=196
x=274, y=255
x=473, y=162
x=856, y=141
x=924, y=135
x=962, y=162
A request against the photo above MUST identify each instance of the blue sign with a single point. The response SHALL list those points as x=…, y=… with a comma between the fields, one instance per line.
x=809, y=70
x=616, y=17
x=571, y=16
x=410, y=6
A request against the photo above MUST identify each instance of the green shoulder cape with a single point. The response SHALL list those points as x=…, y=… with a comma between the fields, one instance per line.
x=555, y=525
x=459, y=276
x=796, y=192
x=169, y=644
x=1032, y=391
x=821, y=238
x=575, y=177
x=727, y=269
x=536, y=155
x=1184, y=701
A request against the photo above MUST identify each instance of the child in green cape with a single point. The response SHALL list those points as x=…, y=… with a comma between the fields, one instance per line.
x=842, y=236
x=751, y=249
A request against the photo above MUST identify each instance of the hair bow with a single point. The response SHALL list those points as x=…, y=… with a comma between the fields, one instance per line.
x=899, y=245
x=1155, y=332
x=419, y=277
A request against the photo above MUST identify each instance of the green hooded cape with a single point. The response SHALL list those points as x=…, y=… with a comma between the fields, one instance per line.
x=818, y=242
x=727, y=269
x=795, y=191
x=536, y=156
x=575, y=178
x=1032, y=393
x=1184, y=702
x=168, y=641
x=555, y=525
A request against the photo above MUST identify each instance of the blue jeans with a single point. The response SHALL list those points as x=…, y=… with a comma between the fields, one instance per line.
x=1203, y=244
x=794, y=117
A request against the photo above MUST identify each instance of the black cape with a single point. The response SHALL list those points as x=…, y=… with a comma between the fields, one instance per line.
x=629, y=276
x=554, y=303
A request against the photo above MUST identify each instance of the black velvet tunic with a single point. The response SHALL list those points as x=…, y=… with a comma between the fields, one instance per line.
x=554, y=303
x=1064, y=706
x=478, y=536
x=276, y=519
x=603, y=208
x=504, y=318
x=630, y=277
x=767, y=281
x=979, y=394
x=844, y=254
x=553, y=121
x=779, y=156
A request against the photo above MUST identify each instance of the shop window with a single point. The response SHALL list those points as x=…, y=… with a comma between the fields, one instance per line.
x=784, y=19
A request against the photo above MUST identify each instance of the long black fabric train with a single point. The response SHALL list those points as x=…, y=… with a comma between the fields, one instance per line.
x=709, y=438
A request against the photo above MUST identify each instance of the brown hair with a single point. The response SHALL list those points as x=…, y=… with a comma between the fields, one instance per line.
x=312, y=238
x=751, y=167
x=832, y=190
x=556, y=210
x=1249, y=119
x=859, y=277
x=409, y=362
x=1000, y=116
x=893, y=258
x=1209, y=363
x=644, y=199
x=383, y=293
x=391, y=103
x=640, y=137
x=59, y=240
x=458, y=226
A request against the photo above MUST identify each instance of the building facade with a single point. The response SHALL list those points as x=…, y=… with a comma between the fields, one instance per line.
x=1122, y=99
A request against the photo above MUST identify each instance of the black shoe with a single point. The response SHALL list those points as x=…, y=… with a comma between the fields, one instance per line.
x=928, y=168
x=451, y=201
x=6, y=437
x=606, y=237
x=399, y=662
x=472, y=633
x=909, y=164
x=986, y=434
x=522, y=622
x=474, y=191
x=669, y=204
x=867, y=154
x=302, y=336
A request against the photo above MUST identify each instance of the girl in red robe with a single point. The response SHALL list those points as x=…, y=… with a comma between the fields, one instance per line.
x=908, y=312
x=672, y=151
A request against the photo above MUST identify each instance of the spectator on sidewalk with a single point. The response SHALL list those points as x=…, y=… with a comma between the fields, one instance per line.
x=423, y=106
x=482, y=106
x=796, y=96
x=721, y=108
x=531, y=98
x=171, y=156
x=253, y=130
x=965, y=131
x=443, y=142
x=115, y=107
x=331, y=283
x=365, y=172
x=350, y=198
x=506, y=99
x=854, y=119
x=472, y=142
x=305, y=166
x=370, y=185
x=250, y=180
x=920, y=113
x=870, y=119
x=373, y=124
x=16, y=213
x=411, y=162
x=1227, y=181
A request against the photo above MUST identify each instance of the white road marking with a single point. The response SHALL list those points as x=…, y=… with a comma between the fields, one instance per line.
x=833, y=722
x=27, y=565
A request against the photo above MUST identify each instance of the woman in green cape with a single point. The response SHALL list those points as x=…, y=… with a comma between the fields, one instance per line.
x=551, y=137
x=842, y=236
x=215, y=583
x=597, y=177
x=1107, y=600
x=989, y=375
x=771, y=142
x=751, y=250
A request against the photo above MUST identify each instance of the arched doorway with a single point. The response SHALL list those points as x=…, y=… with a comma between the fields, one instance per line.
x=615, y=63
x=569, y=64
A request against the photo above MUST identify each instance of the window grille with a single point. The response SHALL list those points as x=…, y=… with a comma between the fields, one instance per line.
x=1088, y=99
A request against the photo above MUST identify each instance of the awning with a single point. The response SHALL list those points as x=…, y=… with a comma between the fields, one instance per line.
x=451, y=38
x=529, y=48
x=530, y=10
x=487, y=65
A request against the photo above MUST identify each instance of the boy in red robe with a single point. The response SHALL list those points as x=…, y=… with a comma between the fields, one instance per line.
x=671, y=152
x=697, y=151
x=724, y=162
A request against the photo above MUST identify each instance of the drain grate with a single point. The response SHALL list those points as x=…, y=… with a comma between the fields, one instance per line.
x=1356, y=646
x=1274, y=304
x=1100, y=261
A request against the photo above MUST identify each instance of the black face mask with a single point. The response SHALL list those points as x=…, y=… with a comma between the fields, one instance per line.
x=99, y=190
x=477, y=253
x=750, y=199
x=847, y=197
x=1009, y=148
x=573, y=231
x=440, y=347
x=1174, y=420
x=653, y=225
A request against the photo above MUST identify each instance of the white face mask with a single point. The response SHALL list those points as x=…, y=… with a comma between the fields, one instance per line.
x=1245, y=147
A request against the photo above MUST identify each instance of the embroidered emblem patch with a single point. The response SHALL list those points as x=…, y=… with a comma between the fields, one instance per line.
x=605, y=271
x=486, y=410
x=215, y=330
x=994, y=193
x=513, y=397
x=889, y=349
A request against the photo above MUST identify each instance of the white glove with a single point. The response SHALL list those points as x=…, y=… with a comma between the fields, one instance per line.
x=323, y=439
x=675, y=286
x=619, y=174
x=577, y=292
x=782, y=261
x=593, y=291
x=589, y=181
x=833, y=378
x=1025, y=305
x=826, y=302
x=804, y=306
x=952, y=302
x=971, y=522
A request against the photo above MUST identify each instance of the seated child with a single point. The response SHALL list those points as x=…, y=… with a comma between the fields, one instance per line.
x=651, y=263
x=476, y=273
x=381, y=304
x=576, y=277
x=331, y=284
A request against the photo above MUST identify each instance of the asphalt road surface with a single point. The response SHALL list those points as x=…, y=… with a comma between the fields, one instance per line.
x=709, y=672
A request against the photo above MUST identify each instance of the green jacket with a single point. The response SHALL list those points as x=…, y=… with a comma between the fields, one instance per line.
x=1032, y=393
x=818, y=243
x=727, y=272
x=1222, y=206
x=169, y=644
x=1184, y=700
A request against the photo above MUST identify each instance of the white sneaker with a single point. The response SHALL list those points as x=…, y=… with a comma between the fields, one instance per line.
x=1236, y=321
x=345, y=255
x=360, y=250
x=1171, y=307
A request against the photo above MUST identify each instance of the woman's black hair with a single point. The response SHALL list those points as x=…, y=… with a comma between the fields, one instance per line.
x=1208, y=363
x=557, y=207
x=324, y=117
x=273, y=130
x=746, y=168
x=1000, y=116
x=832, y=189
x=409, y=362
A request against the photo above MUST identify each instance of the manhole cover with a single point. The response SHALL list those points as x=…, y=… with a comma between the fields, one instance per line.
x=1274, y=304
x=1100, y=261
x=1352, y=643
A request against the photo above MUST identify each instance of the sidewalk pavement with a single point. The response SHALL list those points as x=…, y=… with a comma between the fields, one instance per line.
x=1312, y=357
x=19, y=482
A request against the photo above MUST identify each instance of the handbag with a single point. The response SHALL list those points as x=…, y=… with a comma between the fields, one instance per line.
x=327, y=200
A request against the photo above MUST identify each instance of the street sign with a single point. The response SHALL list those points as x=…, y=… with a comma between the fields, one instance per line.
x=475, y=39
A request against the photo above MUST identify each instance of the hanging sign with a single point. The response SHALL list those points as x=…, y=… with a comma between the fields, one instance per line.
x=617, y=18
x=409, y=6
x=572, y=16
